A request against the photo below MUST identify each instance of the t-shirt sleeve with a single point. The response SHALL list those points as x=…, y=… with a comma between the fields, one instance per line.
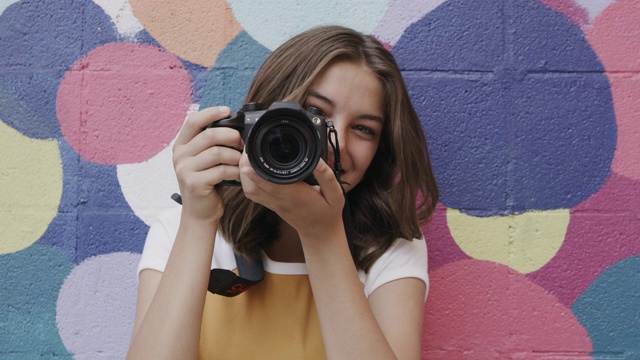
x=404, y=259
x=159, y=241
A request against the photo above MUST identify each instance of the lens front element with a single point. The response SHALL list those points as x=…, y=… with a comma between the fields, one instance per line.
x=283, y=146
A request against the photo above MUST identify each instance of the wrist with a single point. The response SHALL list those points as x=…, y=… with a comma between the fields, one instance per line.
x=325, y=236
x=190, y=219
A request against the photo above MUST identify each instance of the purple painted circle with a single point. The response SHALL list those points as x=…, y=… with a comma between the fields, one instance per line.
x=96, y=306
x=514, y=103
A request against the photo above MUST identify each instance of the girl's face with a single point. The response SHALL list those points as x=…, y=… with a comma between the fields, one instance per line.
x=350, y=95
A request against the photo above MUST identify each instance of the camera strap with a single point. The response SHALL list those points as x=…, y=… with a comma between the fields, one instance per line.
x=337, y=168
x=250, y=272
x=226, y=283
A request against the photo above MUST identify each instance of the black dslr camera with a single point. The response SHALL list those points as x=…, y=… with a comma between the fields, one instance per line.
x=284, y=142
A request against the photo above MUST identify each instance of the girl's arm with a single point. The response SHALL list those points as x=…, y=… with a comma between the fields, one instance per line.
x=170, y=304
x=389, y=324
x=399, y=309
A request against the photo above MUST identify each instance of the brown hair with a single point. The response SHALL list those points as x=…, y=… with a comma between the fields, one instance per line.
x=383, y=205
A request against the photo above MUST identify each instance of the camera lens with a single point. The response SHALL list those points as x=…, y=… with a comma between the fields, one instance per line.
x=282, y=145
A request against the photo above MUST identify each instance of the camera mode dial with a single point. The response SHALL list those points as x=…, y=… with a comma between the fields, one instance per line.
x=314, y=110
x=252, y=106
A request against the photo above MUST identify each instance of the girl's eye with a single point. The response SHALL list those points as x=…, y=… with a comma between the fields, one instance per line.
x=365, y=130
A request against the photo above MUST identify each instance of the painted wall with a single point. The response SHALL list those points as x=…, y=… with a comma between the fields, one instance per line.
x=530, y=107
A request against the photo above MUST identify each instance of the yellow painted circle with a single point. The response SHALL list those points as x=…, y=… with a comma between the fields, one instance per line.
x=30, y=188
x=524, y=242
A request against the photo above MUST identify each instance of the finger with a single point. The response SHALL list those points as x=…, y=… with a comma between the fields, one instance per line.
x=215, y=156
x=329, y=185
x=255, y=186
x=224, y=172
x=196, y=122
x=248, y=175
x=208, y=178
x=186, y=166
x=208, y=138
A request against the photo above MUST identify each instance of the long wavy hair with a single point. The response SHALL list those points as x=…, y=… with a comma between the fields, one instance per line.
x=398, y=192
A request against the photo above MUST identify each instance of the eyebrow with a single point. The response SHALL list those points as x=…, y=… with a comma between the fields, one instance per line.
x=329, y=102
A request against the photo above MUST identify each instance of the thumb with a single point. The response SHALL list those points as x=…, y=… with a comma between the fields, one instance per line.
x=329, y=185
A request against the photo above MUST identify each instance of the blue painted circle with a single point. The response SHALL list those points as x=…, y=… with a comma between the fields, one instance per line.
x=231, y=75
x=271, y=23
x=40, y=40
x=514, y=103
x=199, y=75
x=608, y=309
x=94, y=218
x=106, y=222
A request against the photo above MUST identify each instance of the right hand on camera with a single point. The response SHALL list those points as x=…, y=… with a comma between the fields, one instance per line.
x=202, y=159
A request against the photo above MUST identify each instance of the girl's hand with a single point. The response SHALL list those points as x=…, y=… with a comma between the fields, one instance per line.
x=308, y=209
x=202, y=159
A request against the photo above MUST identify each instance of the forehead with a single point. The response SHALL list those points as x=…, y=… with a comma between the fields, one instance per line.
x=350, y=83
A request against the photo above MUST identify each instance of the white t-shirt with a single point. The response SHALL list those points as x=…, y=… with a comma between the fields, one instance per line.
x=402, y=260
x=277, y=318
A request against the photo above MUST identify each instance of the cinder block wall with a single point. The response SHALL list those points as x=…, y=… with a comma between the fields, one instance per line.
x=530, y=108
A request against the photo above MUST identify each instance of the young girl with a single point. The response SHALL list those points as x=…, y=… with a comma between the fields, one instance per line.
x=316, y=300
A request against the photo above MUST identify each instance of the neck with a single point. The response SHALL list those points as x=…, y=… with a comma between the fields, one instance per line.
x=287, y=247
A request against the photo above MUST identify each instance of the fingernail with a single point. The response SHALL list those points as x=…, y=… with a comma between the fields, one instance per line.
x=225, y=109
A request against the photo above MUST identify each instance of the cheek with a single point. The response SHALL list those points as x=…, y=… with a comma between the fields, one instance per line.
x=365, y=155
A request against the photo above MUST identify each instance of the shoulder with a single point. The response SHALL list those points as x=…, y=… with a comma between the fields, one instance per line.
x=404, y=259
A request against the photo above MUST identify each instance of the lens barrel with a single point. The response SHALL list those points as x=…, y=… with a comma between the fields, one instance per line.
x=284, y=145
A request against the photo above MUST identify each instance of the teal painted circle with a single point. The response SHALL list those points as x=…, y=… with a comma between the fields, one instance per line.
x=272, y=23
x=31, y=281
x=610, y=311
x=231, y=75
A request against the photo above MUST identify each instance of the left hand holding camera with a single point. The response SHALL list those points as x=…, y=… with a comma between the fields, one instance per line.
x=308, y=209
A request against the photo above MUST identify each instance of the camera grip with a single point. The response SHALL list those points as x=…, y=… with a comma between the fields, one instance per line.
x=232, y=121
x=228, y=183
x=235, y=121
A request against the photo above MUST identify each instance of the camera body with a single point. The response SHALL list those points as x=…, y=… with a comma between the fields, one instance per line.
x=284, y=142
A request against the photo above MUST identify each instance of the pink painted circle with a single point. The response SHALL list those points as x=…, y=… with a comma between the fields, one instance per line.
x=443, y=249
x=123, y=103
x=484, y=310
x=615, y=37
x=625, y=90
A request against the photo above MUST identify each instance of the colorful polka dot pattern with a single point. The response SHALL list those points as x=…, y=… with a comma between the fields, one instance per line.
x=529, y=108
